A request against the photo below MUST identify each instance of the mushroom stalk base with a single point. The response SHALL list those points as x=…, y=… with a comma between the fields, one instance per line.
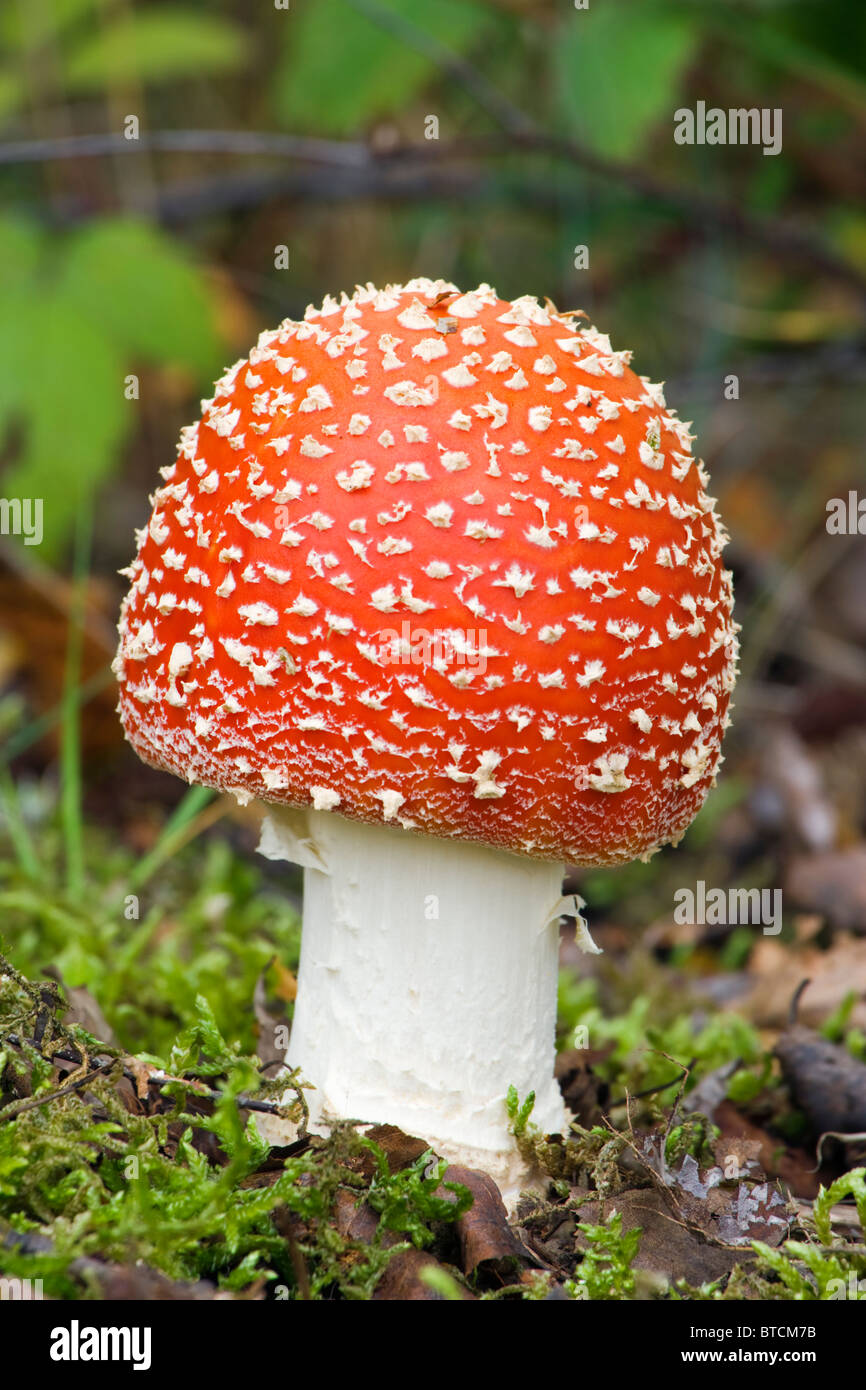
x=427, y=984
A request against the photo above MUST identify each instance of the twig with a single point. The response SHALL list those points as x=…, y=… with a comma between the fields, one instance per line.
x=18, y=1107
x=663, y=1151
x=346, y=153
x=44, y=1000
x=384, y=170
x=834, y=1134
x=662, y=1085
x=267, y=1107
x=795, y=1002
x=283, y=1222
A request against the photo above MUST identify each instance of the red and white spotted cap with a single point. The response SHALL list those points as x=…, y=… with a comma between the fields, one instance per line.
x=444, y=561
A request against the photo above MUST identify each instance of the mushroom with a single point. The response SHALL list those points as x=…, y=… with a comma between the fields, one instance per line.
x=436, y=576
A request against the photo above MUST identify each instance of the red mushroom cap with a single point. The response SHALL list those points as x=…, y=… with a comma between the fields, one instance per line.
x=443, y=560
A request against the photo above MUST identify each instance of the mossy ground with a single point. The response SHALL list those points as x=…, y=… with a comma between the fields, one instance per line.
x=107, y=1166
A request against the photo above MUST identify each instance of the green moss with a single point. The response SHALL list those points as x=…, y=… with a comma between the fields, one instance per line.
x=407, y=1200
x=147, y=970
x=181, y=1190
x=605, y=1271
x=653, y=1034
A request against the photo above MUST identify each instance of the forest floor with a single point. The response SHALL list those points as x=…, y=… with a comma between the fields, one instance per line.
x=720, y=1105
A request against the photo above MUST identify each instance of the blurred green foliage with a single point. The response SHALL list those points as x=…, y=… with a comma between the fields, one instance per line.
x=338, y=71
x=92, y=288
x=148, y=974
x=652, y=1035
x=93, y=47
x=79, y=312
x=158, y=45
x=617, y=76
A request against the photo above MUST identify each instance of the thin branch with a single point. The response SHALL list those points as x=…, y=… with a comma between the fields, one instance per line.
x=283, y=1222
x=345, y=153
x=18, y=1107
x=396, y=173
x=697, y=206
x=795, y=1002
x=679, y=1080
x=133, y=1074
x=835, y=1134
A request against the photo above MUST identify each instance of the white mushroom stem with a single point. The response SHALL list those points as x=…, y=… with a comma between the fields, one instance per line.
x=427, y=983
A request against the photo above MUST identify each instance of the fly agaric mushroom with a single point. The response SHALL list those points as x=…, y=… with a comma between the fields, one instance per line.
x=437, y=577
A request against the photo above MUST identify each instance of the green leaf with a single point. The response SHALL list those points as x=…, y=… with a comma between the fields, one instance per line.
x=340, y=70
x=825, y=1268
x=69, y=386
x=73, y=325
x=441, y=1282
x=28, y=27
x=407, y=1200
x=18, y=260
x=617, y=71
x=803, y=56
x=156, y=45
x=518, y=1114
x=833, y=1028
x=138, y=286
x=13, y=90
x=790, y=1276
x=850, y=1184
x=744, y=1086
x=20, y=246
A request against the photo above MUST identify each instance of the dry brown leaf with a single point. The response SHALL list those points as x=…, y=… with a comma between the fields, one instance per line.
x=402, y=1282
x=483, y=1231
x=83, y=1009
x=833, y=884
x=793, y=1166
x=287, y=982
x=668, y=1247
x=36, y=604
x=776, y=971
x=400, y=1150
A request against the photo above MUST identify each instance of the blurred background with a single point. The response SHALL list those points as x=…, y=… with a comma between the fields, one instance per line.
x=173, y=179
